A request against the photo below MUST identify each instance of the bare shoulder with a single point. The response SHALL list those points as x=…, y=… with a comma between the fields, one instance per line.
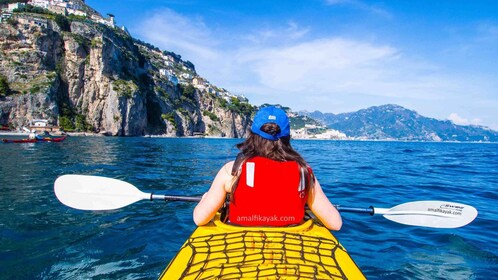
x=229, y=166
x=225, y=175
x=226, y=170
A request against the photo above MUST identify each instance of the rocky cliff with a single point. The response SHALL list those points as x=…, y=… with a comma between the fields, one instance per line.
x=87, y=76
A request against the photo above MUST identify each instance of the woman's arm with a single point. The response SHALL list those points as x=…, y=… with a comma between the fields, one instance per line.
x=214, y=198
x=323, y=209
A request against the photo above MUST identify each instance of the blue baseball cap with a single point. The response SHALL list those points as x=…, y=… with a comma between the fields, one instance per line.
x=271, y=114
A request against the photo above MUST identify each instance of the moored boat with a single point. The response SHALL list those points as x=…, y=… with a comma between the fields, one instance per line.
x=45, y=139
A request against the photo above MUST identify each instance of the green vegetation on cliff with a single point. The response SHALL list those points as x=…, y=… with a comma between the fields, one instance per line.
x=4, y=86
x=125, y=88
x=188, y=93
x=236, y=105
x=71, y=121
x=5, y=2
x=299, y=121
x=62, y=22
x=211, y=115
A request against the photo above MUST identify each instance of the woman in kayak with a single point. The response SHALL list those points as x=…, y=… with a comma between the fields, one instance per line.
x=269, y=182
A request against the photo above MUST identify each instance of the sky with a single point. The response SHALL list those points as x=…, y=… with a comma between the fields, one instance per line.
x=438, y=58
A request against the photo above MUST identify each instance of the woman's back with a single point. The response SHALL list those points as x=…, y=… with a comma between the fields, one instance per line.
x=268, y=193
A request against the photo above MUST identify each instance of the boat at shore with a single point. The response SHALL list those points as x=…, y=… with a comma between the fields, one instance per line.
x=45, y=139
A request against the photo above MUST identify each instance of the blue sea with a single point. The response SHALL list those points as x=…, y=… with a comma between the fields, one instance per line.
x=42, y=239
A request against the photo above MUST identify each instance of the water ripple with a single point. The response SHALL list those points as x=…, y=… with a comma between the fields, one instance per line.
x=40, y=238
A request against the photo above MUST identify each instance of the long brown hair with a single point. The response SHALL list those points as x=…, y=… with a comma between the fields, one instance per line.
x=280, y=150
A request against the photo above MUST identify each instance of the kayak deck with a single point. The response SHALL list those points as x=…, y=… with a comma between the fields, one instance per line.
x=222, y=251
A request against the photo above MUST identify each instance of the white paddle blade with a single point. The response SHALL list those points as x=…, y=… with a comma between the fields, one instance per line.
x=436, y=214
x=96, y=193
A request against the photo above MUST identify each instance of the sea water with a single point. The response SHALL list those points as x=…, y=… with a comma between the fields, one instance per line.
x=42, y=239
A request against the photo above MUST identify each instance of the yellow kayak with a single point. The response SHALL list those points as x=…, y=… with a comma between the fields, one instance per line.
x=222, y=251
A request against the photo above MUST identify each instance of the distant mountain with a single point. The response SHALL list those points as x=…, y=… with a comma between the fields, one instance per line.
x=297, y=120
x=393, y=122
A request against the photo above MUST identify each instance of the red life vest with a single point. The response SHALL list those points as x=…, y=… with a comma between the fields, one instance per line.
x=269, y=193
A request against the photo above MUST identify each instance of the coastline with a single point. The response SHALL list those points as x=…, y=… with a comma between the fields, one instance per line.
x=13, y=133
x=90, y=134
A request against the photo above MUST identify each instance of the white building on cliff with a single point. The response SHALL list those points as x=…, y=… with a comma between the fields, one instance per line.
x=13, y=6
x=65, y=7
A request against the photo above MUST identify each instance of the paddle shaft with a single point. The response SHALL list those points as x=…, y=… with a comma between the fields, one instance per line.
x=198, y=198
x=174, y=197
x=369, y=210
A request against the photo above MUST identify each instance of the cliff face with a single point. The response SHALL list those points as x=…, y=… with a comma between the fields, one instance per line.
x=99, y=79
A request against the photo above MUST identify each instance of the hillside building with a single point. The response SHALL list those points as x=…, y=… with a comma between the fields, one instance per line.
x=42, y=125
x=13, y=6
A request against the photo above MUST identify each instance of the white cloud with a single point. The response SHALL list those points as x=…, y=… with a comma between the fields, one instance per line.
x=274, y=35
x=339, y=66
x=360, y=5
x=323, y=65
x=190, y=38
x=283, y=64
x=456, y=119
x=487, y=32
